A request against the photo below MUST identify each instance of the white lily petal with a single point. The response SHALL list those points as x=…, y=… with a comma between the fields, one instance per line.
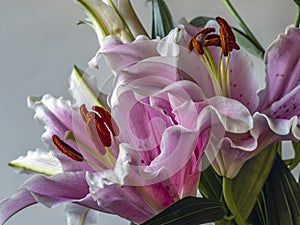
x=37, y=161
x=169, y=45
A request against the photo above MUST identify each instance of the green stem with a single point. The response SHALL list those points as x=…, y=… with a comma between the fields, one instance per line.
x=241, y=22
x=297, y=20
x=227, y=191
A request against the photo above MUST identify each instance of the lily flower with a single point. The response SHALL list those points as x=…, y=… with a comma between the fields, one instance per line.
x=219, y=69
x=117, y=160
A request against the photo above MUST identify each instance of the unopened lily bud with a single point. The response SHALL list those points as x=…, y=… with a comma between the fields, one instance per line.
x=104, y=20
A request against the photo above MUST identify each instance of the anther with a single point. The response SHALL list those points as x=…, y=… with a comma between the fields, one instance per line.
x=212, y=40
x=83, y=111
x=194, y=44
x=227, y=38
x=67, y=149
x=98, y=132
x=202, y=33
x=107, y=119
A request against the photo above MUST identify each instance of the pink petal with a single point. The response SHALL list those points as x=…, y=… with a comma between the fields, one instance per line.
x=243, y=85
x=18, y=201
x=283, y=66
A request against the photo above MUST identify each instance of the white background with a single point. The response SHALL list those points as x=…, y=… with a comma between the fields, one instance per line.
x=39, y=44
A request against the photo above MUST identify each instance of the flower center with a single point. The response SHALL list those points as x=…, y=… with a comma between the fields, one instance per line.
x=102, y=131
x=218, y=71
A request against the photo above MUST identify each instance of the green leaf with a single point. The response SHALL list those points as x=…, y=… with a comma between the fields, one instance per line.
x=211, y=184
x=283, y=196
x=296, y=160
x=162, y=21
x=132, y=223
x=243, y=40
x=200, y=21
x=248, y=184
x=190, y=211
x=259, y=216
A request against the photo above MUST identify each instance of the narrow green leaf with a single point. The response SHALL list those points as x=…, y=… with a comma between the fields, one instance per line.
x=243, y=40
x=242, y=24
x=190, y=211
x=200, y=21
x=259, y=215
x=162, y=21
x=132, y=223
x=283, y=196
x=296, y=160
x=251, y=179
x=211, y=184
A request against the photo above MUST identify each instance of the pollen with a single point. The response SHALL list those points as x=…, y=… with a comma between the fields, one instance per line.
x=101, y=127
x=83, y=112
x=227, y=38
x=67, y=149
x=98, y=132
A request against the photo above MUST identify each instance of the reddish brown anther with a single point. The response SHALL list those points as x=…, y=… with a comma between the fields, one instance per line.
x=98, y=129
x=107, y=119
x=83, y=112
x=66, y=149
x=100, y=126
x=227, y=38
x=196, y=44
x=212, y=40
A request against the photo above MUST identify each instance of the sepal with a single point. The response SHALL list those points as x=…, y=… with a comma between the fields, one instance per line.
x=38, y=161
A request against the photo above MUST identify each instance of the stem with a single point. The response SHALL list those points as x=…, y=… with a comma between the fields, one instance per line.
x=227, y=191
x=241, y=22
x=297, y=20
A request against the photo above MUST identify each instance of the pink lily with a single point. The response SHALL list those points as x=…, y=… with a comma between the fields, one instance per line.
x=122, y=164
x=274, y=111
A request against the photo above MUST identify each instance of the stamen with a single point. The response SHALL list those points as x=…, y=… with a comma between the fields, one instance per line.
x=67, y=149
x=106, y=164
x=98, y=132
x=194, y=44
x=83, y=112
x=227, y=38
x=204, y=32
x=107, y=119
x=197, y=44
x=212, y=40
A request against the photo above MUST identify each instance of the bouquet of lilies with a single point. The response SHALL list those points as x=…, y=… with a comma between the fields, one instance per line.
x=183, y=136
